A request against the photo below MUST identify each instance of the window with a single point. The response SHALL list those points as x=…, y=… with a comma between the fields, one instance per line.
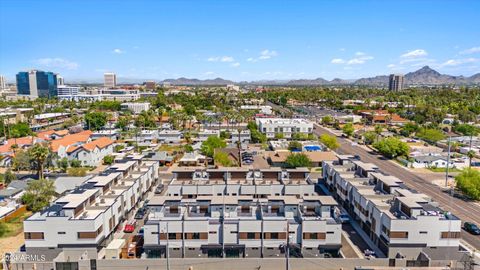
x=196, y=235
x=450, y=235
x=398, y=235
x=34, y=235
x=172, y=236
x=87, y=235
x=274, y=235
x=250, y=235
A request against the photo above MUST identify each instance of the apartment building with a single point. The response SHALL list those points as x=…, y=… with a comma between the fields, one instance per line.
x=87, y=217
x=283, y=127
x=236, y=212
x=204, y=134
x=400, y=221
x=170, y=136
x=92, y=153
x=135, y=107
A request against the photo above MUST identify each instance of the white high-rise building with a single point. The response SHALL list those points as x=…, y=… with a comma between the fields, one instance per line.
x=3, y=83
x=60, y=80
x=110, y=80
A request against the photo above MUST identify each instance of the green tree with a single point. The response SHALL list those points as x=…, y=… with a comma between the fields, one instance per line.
x=430, y=135
x=294, y=145
x=21, y=161
x=329, y=141
x=96, y=120
x=279, y=136
x=118, y=148
x=222, y=158
x=9, y=176
x=467, y=130
x=348, y=129
x=188, y=148
x=38, y=194
x=392, y=147
x=225, y=134
x=468, y=181
x=63, y=164
x=327, y=120
x=298, y=160
x=123, y=122
x=212, y=143
x=108, y=160
x=408, y=129
x=39, y=154
x=470, y=155
x=75, y=163
x=20, y=130
x=370, y=137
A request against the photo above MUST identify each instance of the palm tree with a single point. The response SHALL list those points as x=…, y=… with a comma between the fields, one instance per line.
x=470, y=155
x=39, y=153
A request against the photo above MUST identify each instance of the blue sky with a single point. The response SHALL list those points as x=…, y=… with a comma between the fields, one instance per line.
x=238, y=40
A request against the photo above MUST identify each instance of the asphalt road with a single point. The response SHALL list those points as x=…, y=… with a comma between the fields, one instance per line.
x=465, y=210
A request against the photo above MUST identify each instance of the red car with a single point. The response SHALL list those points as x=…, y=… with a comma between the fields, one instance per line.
x=129, y=227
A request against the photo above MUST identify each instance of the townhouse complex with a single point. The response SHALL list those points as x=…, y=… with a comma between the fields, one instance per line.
x=400, y=221
x=237, y=212
x=87, y=217
x=271, y=127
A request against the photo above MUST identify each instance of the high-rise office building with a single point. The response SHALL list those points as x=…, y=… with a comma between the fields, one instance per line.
x=110, y=80
x=37, y=83
x=3, y=83
x=395, y=82
x=60, y=80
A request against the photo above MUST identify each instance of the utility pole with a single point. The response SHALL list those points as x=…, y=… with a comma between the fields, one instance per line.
x=448, y=163
x=168, y=250
x=287, y=248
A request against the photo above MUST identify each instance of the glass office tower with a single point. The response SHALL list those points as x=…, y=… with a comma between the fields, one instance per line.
x=37, y=83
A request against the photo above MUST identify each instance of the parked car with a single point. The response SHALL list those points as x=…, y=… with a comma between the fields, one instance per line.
x=159, y=189
x=471, y=228
x=341, y=216
x=130, y=226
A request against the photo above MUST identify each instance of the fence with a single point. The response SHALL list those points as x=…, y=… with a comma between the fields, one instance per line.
x=18, y=212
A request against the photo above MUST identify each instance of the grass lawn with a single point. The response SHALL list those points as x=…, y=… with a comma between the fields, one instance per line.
x=170, y=148
x=443, y=170
x=15, y=226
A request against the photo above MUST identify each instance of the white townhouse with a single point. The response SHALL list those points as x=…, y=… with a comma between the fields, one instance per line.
x=241, y=213
x=88, y=216
x=273, y=127
x=400, y=221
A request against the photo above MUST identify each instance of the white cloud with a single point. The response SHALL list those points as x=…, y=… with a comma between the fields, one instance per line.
x=458, y=62
x=221, y=59
x=264, y=55
x=414, y=54
x=56, y=63
x=267, y=54
x=360, y=58
x=471, y=50
x=208, y=73
x=337, y=61
x=236, y=64
x=118, y=51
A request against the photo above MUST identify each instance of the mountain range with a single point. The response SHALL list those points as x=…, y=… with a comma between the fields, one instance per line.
x=423, y=76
